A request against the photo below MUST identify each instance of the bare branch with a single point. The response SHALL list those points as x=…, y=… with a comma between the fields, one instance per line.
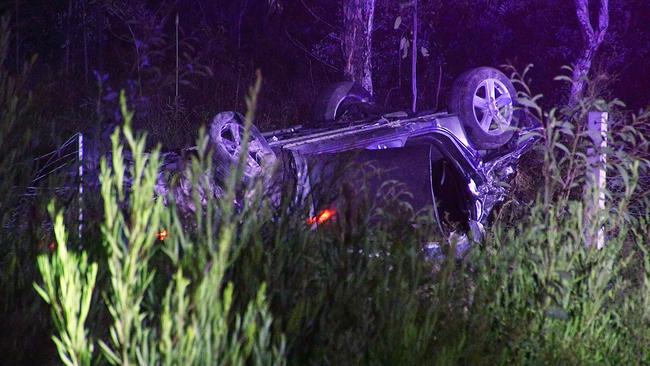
x=582, y=11
x=603, y=20
x=302, y=47
x=318, y=17
x=593, y=39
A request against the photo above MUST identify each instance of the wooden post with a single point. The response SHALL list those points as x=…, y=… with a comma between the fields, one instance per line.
x=597, y=175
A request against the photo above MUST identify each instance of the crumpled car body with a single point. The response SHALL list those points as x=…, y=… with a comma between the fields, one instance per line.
x=429, y=153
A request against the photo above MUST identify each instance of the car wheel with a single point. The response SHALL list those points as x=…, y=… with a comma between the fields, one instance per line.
x=337, y=99
x=484, y=100
x=227, y=135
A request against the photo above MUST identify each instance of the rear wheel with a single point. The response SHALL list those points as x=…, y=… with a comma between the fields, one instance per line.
x=484, y=100
x=344, y=98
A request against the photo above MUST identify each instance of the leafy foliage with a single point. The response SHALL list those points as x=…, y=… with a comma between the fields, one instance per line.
x=69, y=281
x=183, y=321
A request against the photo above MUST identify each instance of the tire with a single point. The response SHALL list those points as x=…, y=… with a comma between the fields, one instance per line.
x=226, y=134
x=485, y=101
x=337, y=99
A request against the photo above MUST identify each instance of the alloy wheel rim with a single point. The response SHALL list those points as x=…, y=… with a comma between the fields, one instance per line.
x=492, y=105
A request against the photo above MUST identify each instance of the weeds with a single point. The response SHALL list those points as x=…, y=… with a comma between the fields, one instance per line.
x=253, y=284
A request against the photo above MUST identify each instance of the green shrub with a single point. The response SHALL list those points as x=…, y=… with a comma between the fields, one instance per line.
x=554, y=300
x=174, y=319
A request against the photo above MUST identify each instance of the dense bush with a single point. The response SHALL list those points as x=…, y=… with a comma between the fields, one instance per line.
x=161, y=315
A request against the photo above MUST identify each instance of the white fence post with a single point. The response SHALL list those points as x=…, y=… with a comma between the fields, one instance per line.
x=597, y=174
x=80, y=158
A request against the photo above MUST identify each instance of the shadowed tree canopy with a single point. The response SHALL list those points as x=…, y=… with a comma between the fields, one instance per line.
x=178, y=76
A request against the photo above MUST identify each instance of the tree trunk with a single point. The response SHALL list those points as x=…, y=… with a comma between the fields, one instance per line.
x=17, y=32
x=357, y=40
x=580, y=74
x=593, y=39
x=414, y=59
x=85, y=39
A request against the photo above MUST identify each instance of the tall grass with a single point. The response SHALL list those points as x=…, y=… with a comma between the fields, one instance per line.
x=253, y=284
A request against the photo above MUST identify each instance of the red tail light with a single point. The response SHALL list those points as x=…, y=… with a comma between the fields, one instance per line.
x=162, y=235
x=322, y=217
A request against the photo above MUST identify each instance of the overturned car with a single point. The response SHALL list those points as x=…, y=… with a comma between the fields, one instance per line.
x=455, y=162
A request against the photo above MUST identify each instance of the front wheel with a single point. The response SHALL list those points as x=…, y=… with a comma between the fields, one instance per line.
x=484, y=100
